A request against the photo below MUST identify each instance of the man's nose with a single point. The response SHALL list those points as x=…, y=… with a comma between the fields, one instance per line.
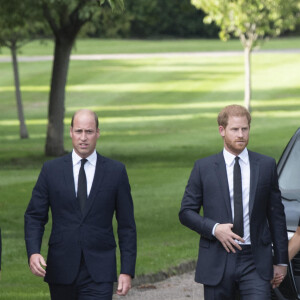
x=83, y=136
x=240, y=132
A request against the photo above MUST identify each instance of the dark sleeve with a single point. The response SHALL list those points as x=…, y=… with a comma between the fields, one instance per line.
x=36, y=215
x=277, y=221
x=191, y=204
x=299, y=222
x=126, y=226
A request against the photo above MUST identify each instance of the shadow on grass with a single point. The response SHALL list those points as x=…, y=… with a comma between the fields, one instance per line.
x=30, y=161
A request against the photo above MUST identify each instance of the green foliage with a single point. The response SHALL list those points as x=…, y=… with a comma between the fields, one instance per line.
x=167, y=18
x=116, y=5
x=18, y=24
x=250, y=20
x=71, y=15
x=22, y=21
x=144, y=19
x=107, y=23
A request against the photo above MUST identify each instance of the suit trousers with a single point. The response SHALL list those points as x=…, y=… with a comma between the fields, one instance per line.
x=240, y=280
x=83, y=288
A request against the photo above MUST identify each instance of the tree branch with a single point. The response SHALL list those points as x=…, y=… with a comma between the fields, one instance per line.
x=74, y=16
x=49, y=18
x=76, y=22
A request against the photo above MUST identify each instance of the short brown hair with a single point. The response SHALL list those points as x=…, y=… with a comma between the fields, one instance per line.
x=232, y=111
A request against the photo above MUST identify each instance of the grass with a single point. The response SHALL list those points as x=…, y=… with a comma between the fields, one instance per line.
x=157, y=116
x=101, y=46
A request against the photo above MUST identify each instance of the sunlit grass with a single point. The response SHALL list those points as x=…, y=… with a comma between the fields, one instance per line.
x=278, y=114
x=25, y=89
x=133, y=119
x=157, y=116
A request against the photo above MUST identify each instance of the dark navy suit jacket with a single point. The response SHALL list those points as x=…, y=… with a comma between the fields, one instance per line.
x=208, y=188
x=90, y=233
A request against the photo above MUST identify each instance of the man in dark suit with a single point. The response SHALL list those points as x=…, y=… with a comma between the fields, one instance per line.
x=83, y=190
x=242, y=216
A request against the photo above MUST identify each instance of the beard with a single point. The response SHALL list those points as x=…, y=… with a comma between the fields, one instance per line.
x=235, y=146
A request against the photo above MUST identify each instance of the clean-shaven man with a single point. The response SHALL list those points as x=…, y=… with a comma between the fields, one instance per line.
x=83, y=190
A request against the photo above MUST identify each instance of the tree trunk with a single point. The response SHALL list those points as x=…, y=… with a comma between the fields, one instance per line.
x=56, y=109
x=23, y=128
x=247, y=57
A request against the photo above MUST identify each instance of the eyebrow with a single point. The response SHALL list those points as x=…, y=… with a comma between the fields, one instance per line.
x=80, y=129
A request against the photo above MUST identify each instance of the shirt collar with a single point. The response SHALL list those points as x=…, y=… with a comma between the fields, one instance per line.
x=229, y=157
x=92, y=159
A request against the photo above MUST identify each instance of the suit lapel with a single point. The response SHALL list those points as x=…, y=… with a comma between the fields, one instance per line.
x=98, y=177
x=69, y=179
x=220, y=169
x=254, y=172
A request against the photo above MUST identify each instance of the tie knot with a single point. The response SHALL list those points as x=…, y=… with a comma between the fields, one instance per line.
x=237, y=159
x=83, y=161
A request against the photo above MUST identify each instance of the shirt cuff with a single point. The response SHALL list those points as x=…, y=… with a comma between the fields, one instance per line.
x=214, y=228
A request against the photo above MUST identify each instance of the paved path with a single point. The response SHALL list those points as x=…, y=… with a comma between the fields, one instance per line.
x=128, y=56
x=181, y=287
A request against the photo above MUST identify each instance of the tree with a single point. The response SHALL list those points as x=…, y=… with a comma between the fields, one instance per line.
x=16, y=29
x=107, y=24
x=251, y=21
x=65, y=19
x=152, y=19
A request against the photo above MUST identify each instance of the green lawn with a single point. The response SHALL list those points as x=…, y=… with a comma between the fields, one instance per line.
x=157, y=116
x=100, y=46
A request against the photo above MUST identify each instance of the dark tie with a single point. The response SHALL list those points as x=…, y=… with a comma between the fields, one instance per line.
x=238, y=223
x=82, y=188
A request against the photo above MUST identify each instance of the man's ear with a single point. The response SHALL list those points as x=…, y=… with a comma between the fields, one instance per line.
x=222, y=131
x=71, y=131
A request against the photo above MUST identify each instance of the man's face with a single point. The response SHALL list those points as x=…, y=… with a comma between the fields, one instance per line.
x=236, y=134
x=84, y=134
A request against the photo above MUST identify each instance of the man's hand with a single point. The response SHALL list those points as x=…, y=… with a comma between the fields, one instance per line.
x=223, y=232
x=36, y=264
x=124, y=284
x=279, y=274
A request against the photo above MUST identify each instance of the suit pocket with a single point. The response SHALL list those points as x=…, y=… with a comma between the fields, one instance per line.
x=204, y=243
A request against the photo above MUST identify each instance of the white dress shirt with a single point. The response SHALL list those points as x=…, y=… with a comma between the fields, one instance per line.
x=89, y=168
x=245, y=172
